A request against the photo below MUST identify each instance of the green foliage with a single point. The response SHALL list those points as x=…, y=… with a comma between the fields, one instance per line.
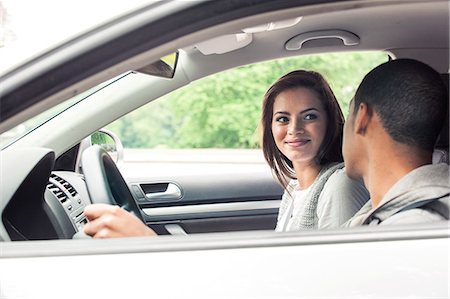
x=98, y=138
x=223, y=110
x=104, y=140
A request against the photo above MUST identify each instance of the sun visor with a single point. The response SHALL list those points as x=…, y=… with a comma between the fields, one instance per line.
x=225, y=43
x=273, y=25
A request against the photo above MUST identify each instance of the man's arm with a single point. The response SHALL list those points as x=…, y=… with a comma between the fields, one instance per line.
x=107, y=221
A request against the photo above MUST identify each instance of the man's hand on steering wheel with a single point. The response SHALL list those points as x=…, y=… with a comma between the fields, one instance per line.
x=114, y=212
x=109, y=221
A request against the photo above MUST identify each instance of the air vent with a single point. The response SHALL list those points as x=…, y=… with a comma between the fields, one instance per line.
x=65, y=184
x=62, y=197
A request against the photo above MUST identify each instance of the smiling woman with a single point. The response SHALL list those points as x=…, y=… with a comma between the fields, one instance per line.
x=299, y=126
x=302, y=137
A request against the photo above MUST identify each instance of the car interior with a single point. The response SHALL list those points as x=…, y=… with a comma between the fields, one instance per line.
x=48, y=176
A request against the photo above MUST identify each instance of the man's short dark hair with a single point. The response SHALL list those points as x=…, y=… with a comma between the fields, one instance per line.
x=410, y=98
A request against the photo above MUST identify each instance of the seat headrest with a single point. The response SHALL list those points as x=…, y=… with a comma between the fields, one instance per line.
x=440, y=156
x=442, y=141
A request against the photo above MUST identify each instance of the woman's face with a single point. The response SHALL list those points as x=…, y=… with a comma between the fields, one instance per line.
x=299, y=122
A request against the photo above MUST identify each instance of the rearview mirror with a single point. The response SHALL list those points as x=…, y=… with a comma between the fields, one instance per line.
x=164, y=67
x=110, y=142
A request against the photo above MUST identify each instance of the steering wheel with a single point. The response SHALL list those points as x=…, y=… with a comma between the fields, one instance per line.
x=104, y=181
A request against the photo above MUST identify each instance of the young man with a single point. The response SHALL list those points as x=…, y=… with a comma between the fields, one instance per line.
x=395, y=118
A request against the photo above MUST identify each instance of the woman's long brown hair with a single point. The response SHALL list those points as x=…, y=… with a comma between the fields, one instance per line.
x=330, y=149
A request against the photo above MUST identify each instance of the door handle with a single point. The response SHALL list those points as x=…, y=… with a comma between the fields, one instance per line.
x=172, y=192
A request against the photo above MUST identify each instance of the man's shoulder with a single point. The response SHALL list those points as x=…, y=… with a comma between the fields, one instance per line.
x=428, y=209
x=421, y=196
x=431, y=212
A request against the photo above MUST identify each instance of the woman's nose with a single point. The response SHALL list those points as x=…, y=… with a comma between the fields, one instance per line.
x=296, y=127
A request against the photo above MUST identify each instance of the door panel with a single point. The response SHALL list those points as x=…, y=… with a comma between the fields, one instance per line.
x=216, y=224
x=209, y=202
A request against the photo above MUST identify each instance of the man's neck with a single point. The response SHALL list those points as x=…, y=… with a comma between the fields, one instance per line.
x=386, y=170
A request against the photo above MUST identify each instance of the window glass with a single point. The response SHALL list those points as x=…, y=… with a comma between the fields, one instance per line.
x=223, y=110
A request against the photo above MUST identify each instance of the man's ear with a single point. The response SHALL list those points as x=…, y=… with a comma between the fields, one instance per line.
x=362, y=118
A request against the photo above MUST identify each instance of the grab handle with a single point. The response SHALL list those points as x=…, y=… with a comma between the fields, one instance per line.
x=348, y=38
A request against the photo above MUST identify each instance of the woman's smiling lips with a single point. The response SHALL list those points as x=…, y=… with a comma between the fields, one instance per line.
x=297, y=142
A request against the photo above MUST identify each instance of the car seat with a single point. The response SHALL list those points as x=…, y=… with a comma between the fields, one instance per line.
x=440, y=154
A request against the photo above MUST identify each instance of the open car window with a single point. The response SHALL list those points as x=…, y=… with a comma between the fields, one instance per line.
x=222, y=111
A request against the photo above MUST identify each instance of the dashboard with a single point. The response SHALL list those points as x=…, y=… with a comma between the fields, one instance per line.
x=66, y=196
x=38, y=203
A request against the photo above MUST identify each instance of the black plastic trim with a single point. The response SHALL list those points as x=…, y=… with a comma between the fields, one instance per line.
x=27, y=207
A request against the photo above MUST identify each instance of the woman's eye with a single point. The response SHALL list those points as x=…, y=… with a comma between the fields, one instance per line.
x=310, y=116
x=282, y=119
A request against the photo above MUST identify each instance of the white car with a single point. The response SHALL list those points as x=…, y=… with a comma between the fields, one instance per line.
x=215, y=210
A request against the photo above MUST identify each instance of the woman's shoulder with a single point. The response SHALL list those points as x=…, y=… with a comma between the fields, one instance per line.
x=331, y=168
x=340, y=185
x=339, y=176
x=340, y=199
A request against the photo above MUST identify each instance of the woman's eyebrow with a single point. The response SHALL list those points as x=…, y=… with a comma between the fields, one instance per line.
x=301, y=112
x=309, y=109
x=281, y=112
